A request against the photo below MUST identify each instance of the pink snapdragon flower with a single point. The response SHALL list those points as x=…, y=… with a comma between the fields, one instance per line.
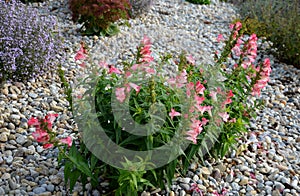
x=196, y=129
x=146, y=50
x=67, y=140
x=33, y=122
x=44, y=133
x=213, y=95
x=264, y=77
x=220, y=38
x=132, y=85
x=113, y=69
x=190, y=59
x=203, y=109
x=199, y=88
x=41, y=136
x=120, y=94
x=48, y=145
x=174, y=113
x=81, y=54
x=224, y=116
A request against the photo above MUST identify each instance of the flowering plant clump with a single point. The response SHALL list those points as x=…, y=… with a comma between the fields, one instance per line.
x=98, y=16
x=27, y=42
x=140, y=123
x=44, y=133
x=246, y=77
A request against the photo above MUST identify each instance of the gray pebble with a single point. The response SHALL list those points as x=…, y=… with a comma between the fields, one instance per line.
x=39, y=190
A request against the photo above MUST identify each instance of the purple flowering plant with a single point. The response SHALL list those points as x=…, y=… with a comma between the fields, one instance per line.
x=28, y=44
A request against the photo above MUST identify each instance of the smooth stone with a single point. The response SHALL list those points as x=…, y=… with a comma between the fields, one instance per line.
x=2, y=192
x=96, y=193
x=195, y=178
x=50, y=187
x=182, y=193
x=205, y=171
x=55, y=179
x=279, y=186
x=9, y=159
x=229, y=178
x=39, y=190
x=5, y=176
x=244, y=181
x=268, y=189
x=33, y=95
x=144, y=193
x=186, y=187
x=276, y=193
x=285, y=180
x=3, y=137
x=235, y=186
x=269, y=183
x=185, y=180
x=21, y=139
x=12, y=184
x=216, y=174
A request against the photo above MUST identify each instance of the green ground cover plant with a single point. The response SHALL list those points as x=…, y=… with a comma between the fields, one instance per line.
x=279, y=22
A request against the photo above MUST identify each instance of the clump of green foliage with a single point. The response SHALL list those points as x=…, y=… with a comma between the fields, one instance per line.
x=279, y=22
x=202, y=2
x=98, y=16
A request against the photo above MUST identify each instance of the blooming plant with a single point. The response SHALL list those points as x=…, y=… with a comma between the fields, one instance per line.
x=44, y=133
x=28, y=44
x=139, y=124
x=98, y=16
x=74, y=162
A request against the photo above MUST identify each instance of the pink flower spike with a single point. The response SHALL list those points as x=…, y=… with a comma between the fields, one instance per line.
x=224, y=116
x=204, y=121
x=135, y=87
x=213, y=95
x=135, y=67
x=199, y=88
x=33, y=121
x=146, y=40
x=103, y=64
x=41, y=136
x=191, y=59
x=193, y=139
x=238, y=26
x=112, y=69
x=120, y=94
x=80, y=55
x=174, y=113
x=230, y=94
x=199, y=99
x=67, y=140
x=46, y=146
x=127, y=74
x=220, y=38
x=51, y=117
x=150, y=70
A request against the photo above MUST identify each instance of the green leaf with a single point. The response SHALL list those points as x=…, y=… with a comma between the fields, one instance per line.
x=94, y=161
x=67, y=170
x=79, y=162
x=74, y=175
